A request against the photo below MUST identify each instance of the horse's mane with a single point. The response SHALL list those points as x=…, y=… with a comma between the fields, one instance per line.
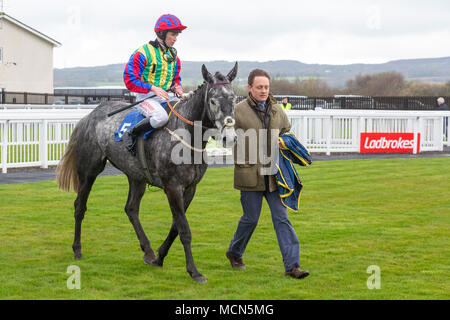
x=193, y=93
x=188, y=96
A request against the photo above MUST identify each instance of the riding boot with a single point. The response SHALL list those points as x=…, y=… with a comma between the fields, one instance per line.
x=130, y=137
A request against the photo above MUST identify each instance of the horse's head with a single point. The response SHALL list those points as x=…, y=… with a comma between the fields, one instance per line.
x=219, y=103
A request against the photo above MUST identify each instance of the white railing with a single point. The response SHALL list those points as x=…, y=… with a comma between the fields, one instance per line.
x=46, y=106
x=37, y=137
x=340, y=130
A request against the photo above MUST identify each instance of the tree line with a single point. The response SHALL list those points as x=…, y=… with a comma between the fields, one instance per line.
x=379, y=84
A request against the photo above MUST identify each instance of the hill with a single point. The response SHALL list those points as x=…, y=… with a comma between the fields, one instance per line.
x=428, y=70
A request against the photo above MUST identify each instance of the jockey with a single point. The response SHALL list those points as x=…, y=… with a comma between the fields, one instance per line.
x=153, y=72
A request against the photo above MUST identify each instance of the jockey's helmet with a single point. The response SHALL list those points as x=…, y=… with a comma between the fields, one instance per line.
x=168, y=22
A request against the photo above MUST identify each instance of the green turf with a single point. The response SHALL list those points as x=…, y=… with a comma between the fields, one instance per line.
x=392, y=213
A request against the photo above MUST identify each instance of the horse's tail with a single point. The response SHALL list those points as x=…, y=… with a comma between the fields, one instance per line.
x=66, y=171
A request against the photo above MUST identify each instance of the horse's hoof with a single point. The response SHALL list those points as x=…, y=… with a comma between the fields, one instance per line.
x=200, y=279
x=77, y=256
x=151, y=261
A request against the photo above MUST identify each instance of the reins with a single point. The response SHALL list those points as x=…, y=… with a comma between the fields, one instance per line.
x=184, y=142
x=179, y=115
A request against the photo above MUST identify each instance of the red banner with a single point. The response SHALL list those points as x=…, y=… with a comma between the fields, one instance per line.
x=389, y=142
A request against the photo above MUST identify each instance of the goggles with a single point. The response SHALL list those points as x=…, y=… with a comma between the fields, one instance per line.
x=170, y=55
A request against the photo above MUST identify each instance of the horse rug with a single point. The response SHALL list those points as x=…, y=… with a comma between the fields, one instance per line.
x=289, y=183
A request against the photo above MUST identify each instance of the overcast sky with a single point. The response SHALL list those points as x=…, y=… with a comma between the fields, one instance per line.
x=100, y=32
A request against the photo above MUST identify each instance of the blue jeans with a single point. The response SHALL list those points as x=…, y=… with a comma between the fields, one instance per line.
x=287, y=238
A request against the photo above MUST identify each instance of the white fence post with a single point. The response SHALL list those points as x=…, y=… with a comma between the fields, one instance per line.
x=305, y=129
x=417, y=128
x=328, y=123
x=446, y=135
x=447, y=130
x=356, y=135
x=438, y=132
x=5, y=148
x=43, y=147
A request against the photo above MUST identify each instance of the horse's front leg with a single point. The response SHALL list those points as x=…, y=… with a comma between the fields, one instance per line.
x=135, y=194
x=175, y=195
x=173, y=233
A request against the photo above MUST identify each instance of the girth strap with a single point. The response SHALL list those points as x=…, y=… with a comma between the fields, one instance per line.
x=141, y=157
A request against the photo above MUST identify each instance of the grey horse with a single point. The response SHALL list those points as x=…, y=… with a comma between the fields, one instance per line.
x=92, y=144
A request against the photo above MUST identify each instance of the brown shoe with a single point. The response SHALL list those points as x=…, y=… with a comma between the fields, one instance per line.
x=297, y=273
x=236, y=263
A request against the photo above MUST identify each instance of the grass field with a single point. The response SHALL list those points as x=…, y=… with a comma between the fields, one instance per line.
x=392, y=213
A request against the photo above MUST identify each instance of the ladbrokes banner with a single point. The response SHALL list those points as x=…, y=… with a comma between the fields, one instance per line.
x=388, y=142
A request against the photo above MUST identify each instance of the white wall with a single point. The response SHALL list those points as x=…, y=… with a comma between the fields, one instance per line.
x=27, y=64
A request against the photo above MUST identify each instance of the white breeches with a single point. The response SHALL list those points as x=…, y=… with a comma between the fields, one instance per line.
x=152, y=108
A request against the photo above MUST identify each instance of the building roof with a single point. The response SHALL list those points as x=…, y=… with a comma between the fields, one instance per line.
x=29, y=29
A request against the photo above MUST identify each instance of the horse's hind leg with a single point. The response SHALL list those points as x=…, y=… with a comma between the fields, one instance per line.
x=135, y=194
x=80, y=209
x=173, y=233
x=86, y=179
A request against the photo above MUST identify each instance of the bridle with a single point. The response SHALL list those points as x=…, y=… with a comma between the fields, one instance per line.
x=227, y=122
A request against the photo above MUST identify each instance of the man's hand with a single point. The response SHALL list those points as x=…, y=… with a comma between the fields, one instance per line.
x=281, y=145
x=160, y=92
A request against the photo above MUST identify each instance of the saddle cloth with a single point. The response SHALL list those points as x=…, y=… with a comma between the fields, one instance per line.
x=130, y=120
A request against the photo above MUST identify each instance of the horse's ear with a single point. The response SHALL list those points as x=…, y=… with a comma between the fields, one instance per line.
x=206, y=75
x=232, y=74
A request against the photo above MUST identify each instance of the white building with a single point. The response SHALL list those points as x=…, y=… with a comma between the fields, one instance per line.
x=26, y=57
